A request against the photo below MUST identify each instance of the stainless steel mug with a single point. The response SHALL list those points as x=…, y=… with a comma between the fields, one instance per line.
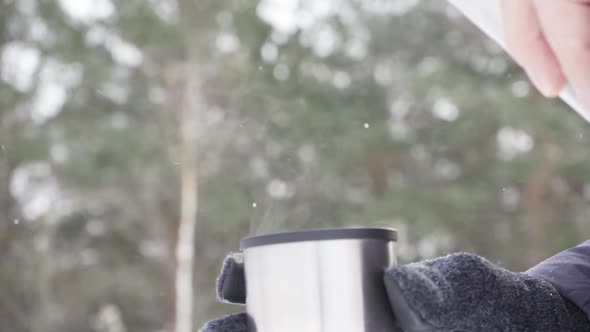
x=328, y=280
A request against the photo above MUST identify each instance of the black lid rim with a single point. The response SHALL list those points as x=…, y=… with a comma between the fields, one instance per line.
x=379, y=233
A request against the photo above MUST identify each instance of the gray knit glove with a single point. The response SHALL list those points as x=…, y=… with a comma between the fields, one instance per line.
x=231, y=288
x=465, y=292
x=455, y=293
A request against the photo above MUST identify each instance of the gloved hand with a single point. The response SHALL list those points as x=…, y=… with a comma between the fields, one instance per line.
x=459, y=292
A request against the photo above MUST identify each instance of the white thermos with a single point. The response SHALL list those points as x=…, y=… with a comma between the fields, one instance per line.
x=487, y=15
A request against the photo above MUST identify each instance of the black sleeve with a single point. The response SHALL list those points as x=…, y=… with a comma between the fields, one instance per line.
x=569, y=272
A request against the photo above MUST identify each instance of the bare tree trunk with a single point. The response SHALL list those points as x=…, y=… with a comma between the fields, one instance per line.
x=536, y=211
x=189, y=130
x=46, y=310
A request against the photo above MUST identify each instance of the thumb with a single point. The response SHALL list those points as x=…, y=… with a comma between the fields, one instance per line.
x=405, y=286
x=231, y=285
x=231, y=323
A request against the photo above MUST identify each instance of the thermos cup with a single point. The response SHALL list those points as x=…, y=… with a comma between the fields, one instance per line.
x=328, y=280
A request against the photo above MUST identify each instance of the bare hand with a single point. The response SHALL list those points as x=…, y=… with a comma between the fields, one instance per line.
x=550, y=39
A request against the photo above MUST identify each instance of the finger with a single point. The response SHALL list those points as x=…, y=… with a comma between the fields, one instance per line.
x=527, y=45
x=230, y=323
x=567, y=28
x=407, y=316
x=231, y=285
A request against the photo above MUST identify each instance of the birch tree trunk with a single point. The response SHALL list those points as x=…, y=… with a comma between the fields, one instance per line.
x=189, y=132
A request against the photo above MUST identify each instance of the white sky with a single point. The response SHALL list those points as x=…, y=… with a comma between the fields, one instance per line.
x=19, y=62
x=287, y=16
x=87, y=11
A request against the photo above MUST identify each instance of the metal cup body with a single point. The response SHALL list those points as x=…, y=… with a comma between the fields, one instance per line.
x=330, y=285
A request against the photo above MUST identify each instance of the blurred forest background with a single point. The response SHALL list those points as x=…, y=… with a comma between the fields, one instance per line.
x=279, y=114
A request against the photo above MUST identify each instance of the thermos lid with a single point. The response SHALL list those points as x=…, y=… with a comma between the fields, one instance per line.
x=387, y=234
